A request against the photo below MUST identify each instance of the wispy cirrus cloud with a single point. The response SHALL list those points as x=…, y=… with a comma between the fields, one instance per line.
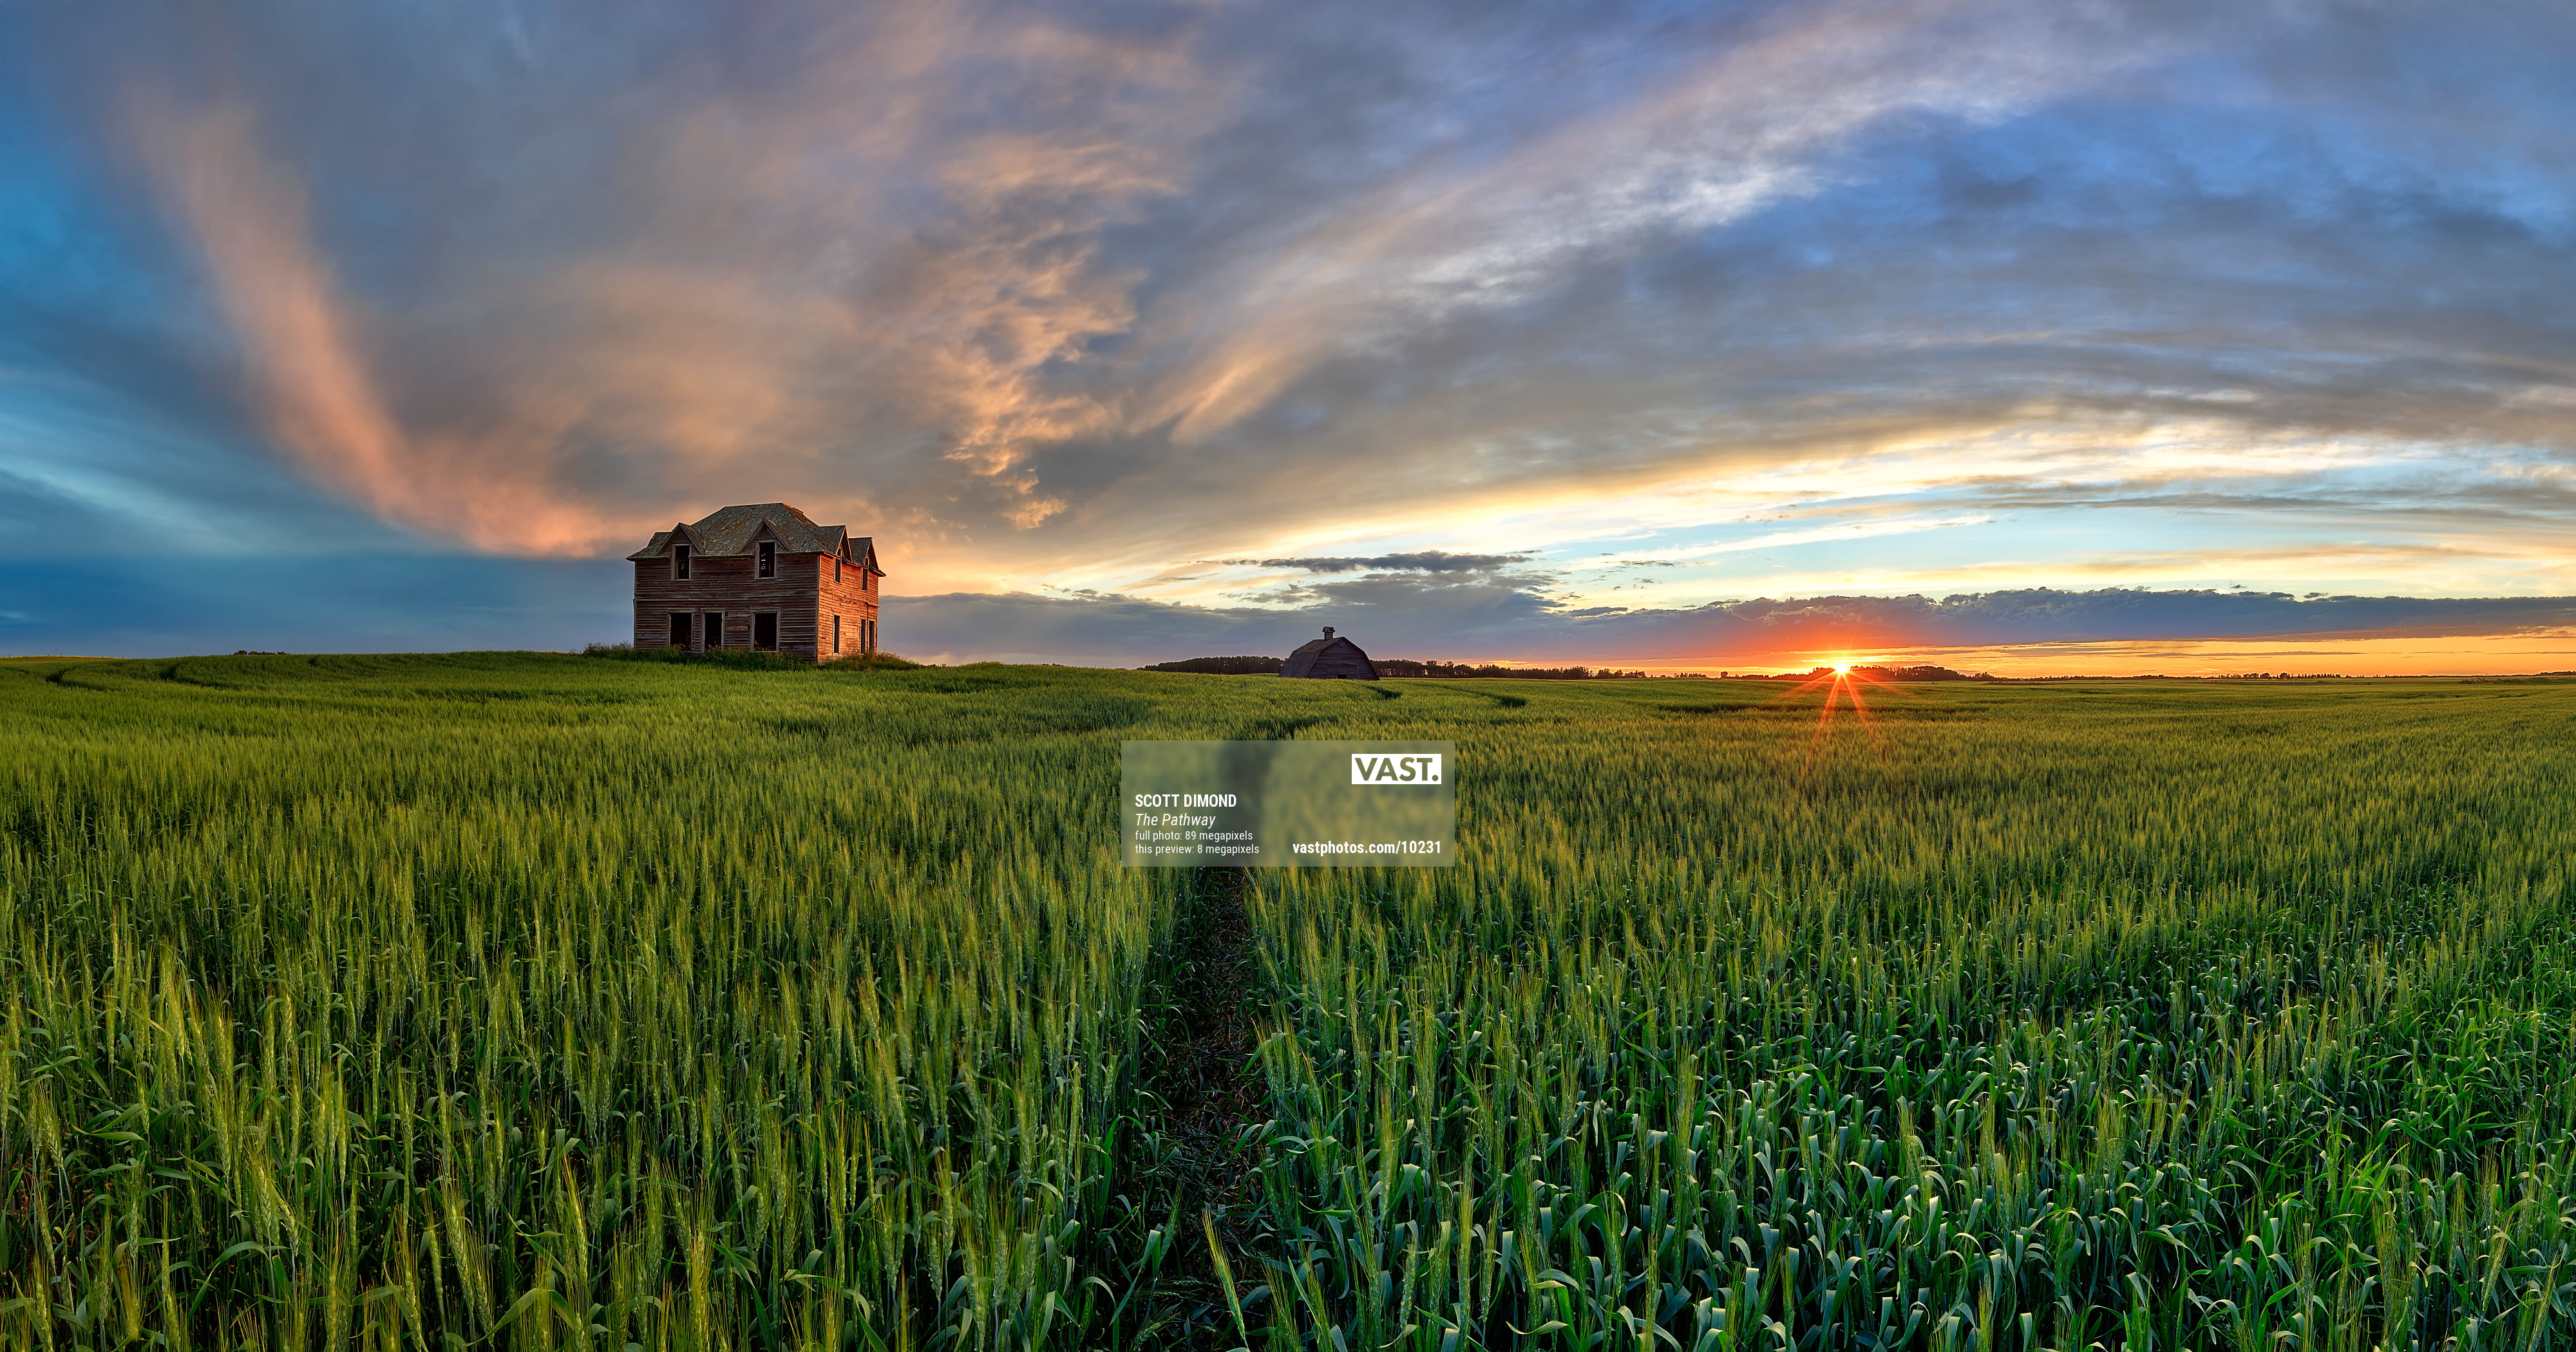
x=1704, y=145
x=308, y=374
x=1425, y=561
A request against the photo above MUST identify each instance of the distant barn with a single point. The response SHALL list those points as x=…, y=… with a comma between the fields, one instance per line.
x=1330, y=659
x=761, y=576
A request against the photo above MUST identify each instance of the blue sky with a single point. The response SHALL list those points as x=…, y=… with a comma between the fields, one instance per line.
x=1588, y=332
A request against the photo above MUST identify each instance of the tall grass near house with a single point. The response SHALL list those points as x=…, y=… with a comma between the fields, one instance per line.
x=550, y=1002
x=561, y=1003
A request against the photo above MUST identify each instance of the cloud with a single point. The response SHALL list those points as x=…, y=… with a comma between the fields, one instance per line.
x=2043, y=615
x=1425, y=561
x=120, y=607
x=1396, y=615
x=248, y=215
x=309, y=378
x=857, y=257
x=1703, y=147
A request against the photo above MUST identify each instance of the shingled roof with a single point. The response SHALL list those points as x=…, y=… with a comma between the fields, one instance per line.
x=729, y=532
x=1330, y=658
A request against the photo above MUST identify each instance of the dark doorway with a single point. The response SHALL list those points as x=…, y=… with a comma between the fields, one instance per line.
x=680, y=629
x=715, y=629
x=764, y=631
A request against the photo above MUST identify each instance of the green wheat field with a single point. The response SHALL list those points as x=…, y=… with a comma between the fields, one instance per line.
x=528, y=1001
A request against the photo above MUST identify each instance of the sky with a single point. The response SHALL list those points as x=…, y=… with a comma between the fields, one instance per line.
x=2033, y=336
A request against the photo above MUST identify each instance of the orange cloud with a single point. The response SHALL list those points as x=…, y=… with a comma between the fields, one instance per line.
x=310, y=380
x=820, y=288
x=2450, y=655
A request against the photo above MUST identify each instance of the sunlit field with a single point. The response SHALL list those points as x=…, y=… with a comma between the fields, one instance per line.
x=554, y=1002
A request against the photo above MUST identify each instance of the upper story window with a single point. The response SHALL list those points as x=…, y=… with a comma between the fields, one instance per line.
x=836, y=572
x=680, y=562
x=769, y=558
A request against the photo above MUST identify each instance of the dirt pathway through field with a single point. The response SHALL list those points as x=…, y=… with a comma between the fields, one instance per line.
x=1207, y=1076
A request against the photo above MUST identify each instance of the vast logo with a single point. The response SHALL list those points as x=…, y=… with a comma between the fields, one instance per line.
x=1379, y=768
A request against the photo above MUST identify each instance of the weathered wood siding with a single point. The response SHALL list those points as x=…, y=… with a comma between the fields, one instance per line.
x=803, y=594
x=1342, y=662
x=853, y=598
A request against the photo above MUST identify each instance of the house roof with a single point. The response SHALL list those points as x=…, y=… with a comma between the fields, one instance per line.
x=730, y=532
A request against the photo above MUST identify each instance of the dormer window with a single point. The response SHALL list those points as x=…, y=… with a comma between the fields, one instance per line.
x=769, y=558
x=680, y=563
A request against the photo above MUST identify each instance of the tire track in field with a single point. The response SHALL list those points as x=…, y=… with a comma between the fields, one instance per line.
x=1206, y=1077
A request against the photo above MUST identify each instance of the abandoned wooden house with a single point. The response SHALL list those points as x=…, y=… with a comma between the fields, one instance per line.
x=762, y=577
x=1329, y=658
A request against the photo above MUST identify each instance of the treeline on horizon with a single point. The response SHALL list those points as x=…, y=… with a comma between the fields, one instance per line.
x=1403, y=666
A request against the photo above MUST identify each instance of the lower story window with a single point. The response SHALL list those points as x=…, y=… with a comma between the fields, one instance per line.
x=764, y=630
x=836, y=633
x=680, y=629
x=715, y=629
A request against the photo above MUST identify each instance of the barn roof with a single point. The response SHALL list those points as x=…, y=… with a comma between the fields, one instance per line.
x=1329, y=656
x=732, y=531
